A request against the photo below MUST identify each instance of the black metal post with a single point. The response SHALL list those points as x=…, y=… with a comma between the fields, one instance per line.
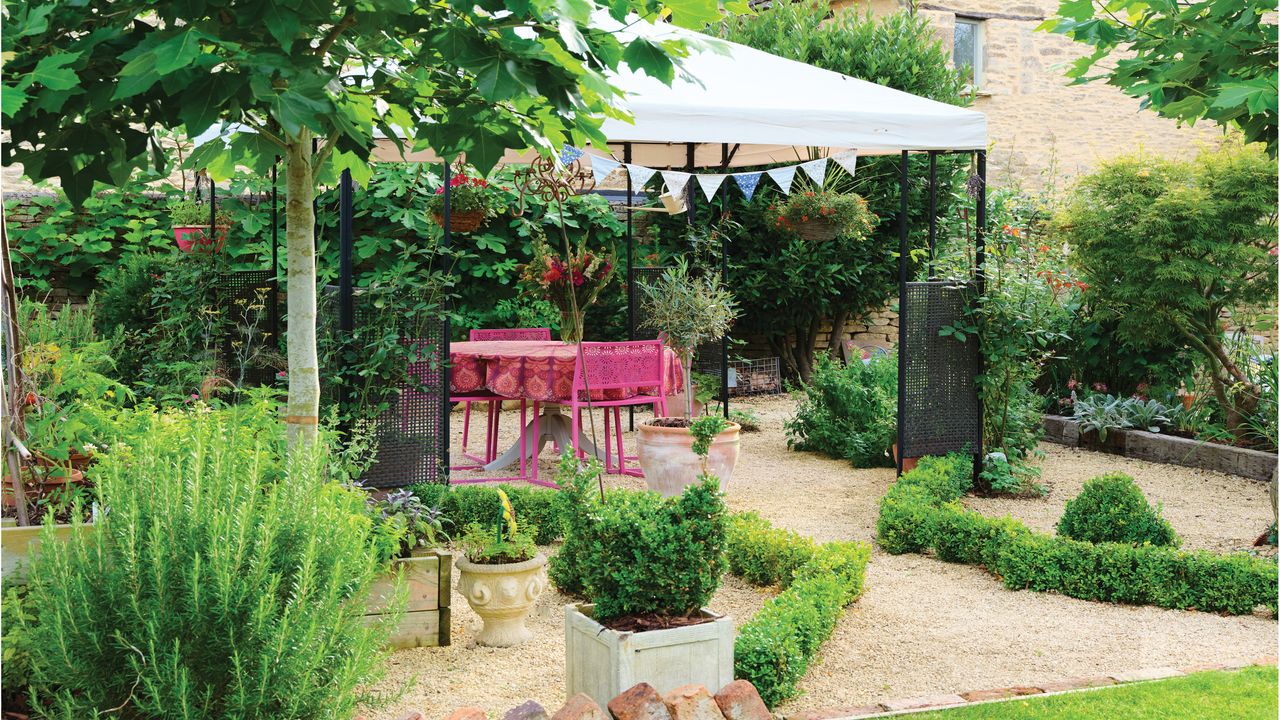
x=631, y=270
x=213, y=213
x=724, y=278
x=315, y=206
x=933, y=207
x=902, y=309
x=275, y=252
x=980, y=276
x=445, y=369
x=689, y=167
x=346, y=300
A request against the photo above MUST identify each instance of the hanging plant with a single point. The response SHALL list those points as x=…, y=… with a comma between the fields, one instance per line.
x=824, y=215
x=469, y=203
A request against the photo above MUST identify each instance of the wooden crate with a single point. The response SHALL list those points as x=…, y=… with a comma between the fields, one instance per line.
x=429, y=582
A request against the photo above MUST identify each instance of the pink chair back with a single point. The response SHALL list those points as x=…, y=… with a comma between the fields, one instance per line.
x=611, y=365
x=479, y=335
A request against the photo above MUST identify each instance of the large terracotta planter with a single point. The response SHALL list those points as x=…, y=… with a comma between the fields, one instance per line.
x=602, y=662
x=41, y=487
x=428, y=581
x=668, y=462
x=502, y=595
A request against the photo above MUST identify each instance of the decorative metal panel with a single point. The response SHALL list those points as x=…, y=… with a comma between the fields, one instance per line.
x=249, y=350
x=942, y=412
x=635, y=296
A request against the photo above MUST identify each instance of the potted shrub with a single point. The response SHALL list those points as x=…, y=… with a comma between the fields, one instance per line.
x=191, y=226
x=688, y=311
x=648, y=565
x=502, y=575
x=408, y=532
x=824, y=215
x=468, y=203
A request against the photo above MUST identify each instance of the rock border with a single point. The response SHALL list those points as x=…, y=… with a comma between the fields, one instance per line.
x=890, y=708
x=1168, y=449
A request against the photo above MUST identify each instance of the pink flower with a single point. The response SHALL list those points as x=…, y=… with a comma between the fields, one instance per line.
x=1100, y=387
x=578, y=279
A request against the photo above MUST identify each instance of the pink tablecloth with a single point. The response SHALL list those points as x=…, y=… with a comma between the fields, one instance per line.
x=534, y=369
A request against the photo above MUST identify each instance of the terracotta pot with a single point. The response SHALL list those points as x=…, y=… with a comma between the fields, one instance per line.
x=40, y=487
x=908, y=464
x=502, y=595
x=462, y=222
x=668, y=462
x=194, y=238
x=1188, y=400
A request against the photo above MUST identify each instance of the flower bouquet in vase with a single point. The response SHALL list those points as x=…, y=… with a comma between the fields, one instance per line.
x=571, y=284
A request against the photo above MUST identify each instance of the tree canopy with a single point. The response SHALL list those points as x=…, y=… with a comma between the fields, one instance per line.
x=1211, y=59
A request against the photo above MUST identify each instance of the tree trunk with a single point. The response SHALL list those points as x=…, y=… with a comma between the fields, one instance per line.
x=687, y=361
x=836, y=343
x=303, y=411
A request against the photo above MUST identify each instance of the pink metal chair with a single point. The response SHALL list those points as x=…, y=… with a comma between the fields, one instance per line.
x=637, y=369
x=493, y=402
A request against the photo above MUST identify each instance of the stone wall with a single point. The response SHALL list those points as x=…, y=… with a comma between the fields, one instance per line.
x=1044, y=132
x=736, y=701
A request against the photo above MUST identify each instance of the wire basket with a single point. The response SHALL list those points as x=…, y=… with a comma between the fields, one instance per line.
x=759, y=376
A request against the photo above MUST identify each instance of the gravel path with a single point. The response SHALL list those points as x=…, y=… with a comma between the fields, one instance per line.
x=923, y=626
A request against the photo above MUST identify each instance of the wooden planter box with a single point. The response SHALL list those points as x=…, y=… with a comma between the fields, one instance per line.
x=19, y=545
x=429, y=581
x=602, y=662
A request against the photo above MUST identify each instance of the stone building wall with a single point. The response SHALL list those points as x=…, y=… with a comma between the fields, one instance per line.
x=1044, y=132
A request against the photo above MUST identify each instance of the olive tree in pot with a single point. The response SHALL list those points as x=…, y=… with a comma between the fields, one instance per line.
x=648, y=565
x=688, y=311
x=502, y=575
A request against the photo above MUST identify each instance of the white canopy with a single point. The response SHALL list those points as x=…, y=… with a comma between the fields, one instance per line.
x=767, y=109
x=775, y=109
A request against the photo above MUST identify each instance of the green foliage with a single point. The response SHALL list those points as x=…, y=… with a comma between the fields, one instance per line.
x=747, y=418
x=404, y=524
x=1010, y=477
x=226, y=579
x=463, y=505
x=762, y=554
x=19, y=615
x=773, y=650
x=1180, y=244
x=704, y=431
x=484, y=545
x=653, y=555
x=919, y=513
x=789, y=286
x=1111, y=508
x=1187, y=61
x=848, y=412
x=576, y=500
x=1099, y=413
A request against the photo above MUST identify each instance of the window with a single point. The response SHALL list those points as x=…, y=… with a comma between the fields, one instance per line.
x=967, y=49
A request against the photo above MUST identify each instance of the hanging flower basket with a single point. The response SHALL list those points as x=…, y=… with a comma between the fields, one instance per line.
x=195, y=238
x=462, y=222
x=821, y=215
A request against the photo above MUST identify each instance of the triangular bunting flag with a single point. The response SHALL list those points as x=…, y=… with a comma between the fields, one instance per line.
x=783, y=176
x=748, y=183
x=568, y=154
x=816, y=170
x=847, y=160
x=601, y=167
x=640, y=175
x=710, y=184
x=676, y=181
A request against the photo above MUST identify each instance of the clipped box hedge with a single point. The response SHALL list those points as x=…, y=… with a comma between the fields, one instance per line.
x=774, y=648
x=921, y=512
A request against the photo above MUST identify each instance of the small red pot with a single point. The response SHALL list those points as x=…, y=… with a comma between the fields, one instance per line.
x=908, y=464
x=195, y=238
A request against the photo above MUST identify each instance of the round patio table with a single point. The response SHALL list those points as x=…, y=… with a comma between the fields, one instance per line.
x=539, y=370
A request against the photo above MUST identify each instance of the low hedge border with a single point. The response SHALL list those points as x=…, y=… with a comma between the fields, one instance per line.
x=922, y=512
x=774, y=648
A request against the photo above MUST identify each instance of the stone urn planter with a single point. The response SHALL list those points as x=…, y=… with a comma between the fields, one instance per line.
x=668, y=461
x=428, y=580
x=502, y=595
x=602, y=662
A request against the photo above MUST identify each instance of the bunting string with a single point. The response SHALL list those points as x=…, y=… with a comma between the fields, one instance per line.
x=748, y=182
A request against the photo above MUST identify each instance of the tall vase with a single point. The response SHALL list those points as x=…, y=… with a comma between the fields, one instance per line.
x=571, y=326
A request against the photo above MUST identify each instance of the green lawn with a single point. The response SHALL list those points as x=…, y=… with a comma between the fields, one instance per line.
x=1248, y=694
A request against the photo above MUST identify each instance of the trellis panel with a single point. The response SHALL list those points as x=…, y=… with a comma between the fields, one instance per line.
x=942, y=411
x=249, y=350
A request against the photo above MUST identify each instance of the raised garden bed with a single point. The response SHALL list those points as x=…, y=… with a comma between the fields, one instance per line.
x=1169, y=449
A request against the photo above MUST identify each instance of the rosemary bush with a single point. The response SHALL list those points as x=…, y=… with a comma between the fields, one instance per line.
x=224, y=580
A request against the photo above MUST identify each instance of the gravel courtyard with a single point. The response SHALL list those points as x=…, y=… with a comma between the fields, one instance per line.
x=923, y=626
